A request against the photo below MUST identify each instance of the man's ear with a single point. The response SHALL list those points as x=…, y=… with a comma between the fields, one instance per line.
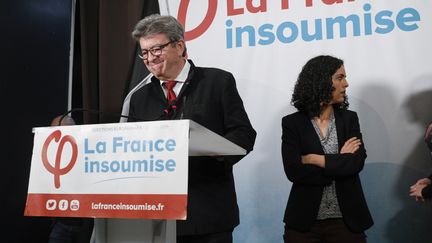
x=183, y=49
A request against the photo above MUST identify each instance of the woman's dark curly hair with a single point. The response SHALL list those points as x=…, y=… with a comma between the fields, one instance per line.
x=314, y=85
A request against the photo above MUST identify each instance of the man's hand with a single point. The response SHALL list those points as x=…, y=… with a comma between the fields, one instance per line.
x=416, y=189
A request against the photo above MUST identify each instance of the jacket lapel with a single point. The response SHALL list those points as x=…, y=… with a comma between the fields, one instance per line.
x=340, y=125
x=310, y=132
x=188, y=80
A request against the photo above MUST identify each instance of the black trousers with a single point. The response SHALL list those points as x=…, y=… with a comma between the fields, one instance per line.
x=71, y=230
x=221, y=237
x=324, y=231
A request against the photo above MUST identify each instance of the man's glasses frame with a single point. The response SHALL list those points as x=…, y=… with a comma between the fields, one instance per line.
x=155, y=50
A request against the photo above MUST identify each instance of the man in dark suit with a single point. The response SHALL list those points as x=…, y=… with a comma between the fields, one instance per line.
x=207, y=96
x=422, y=189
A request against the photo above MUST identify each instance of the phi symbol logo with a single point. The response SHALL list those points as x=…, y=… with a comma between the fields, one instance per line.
x=55, y=168
x=205, y=24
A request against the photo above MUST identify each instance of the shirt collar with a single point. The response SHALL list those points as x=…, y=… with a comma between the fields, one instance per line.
x=182, y=76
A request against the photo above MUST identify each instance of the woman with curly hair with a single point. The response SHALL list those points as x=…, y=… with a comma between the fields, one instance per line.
x=323, y=154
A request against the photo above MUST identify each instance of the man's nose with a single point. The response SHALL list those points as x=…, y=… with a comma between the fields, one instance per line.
x=151, y=57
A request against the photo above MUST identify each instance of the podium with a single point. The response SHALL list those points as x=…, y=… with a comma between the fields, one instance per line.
x=202, y=142
x=73, y=189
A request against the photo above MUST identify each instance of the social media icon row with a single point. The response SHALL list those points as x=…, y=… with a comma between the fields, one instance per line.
x=63, y=205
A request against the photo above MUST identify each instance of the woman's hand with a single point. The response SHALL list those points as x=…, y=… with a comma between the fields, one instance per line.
x=351, y=145
x=313, y=159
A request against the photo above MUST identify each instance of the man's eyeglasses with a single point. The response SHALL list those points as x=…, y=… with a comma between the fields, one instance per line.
x=155, y=51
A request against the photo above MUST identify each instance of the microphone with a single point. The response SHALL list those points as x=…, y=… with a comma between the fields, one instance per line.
x=62, y=121
x=172, y=107
x=125, y=108
x=169, y=112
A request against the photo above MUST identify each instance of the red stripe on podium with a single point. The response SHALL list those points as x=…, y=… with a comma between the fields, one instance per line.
x=107, y=206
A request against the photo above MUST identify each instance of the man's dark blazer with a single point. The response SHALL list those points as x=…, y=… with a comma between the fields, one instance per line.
x=300, y=138
x=209, y=97
x=427, y=191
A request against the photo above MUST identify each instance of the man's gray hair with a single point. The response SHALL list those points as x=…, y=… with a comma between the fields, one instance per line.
x=156, y=24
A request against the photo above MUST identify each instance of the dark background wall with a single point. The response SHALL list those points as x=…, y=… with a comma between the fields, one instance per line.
x=35, y=46
x=34, y=69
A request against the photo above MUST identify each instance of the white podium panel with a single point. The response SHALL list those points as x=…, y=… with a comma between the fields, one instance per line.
x=130, y=177
x=117, y=170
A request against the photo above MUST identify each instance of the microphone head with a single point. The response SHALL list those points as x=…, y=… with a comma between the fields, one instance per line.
x=62, y=121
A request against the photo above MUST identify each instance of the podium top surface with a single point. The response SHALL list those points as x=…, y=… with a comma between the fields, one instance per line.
x=204, y=142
